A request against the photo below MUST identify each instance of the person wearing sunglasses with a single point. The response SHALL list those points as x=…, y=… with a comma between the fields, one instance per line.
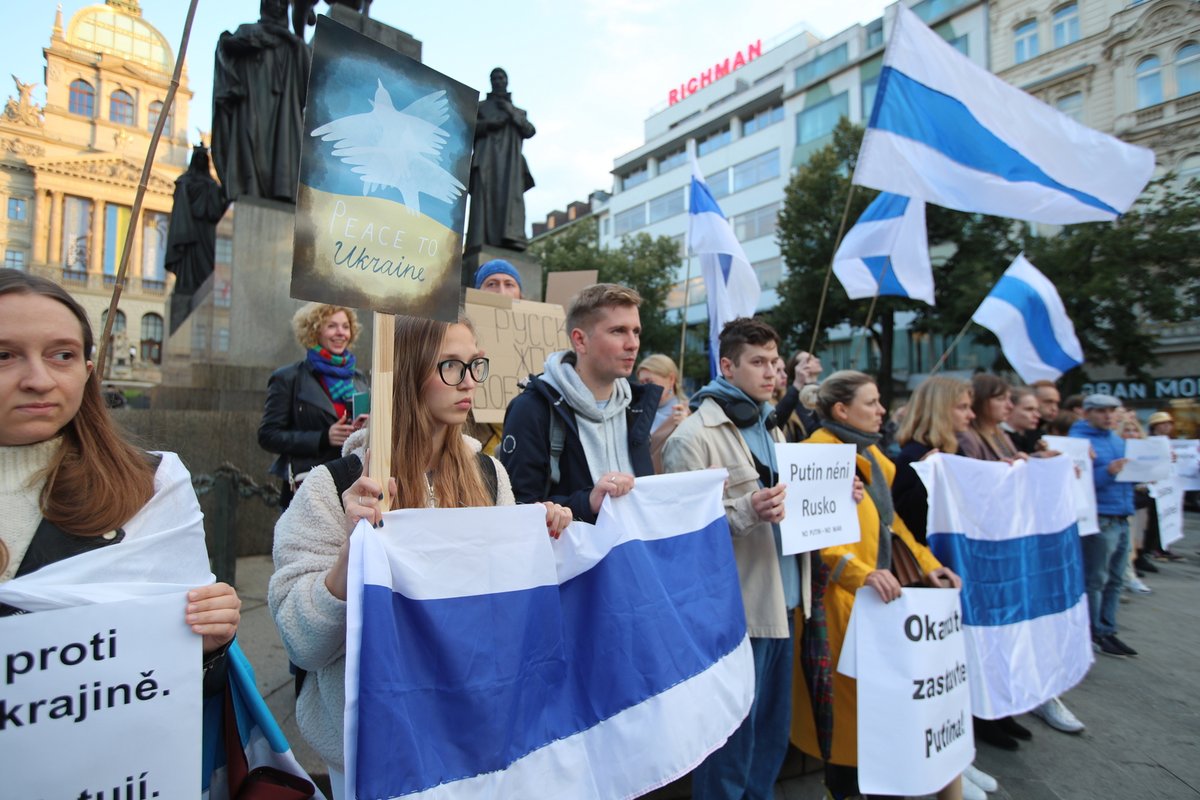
x=436, y=370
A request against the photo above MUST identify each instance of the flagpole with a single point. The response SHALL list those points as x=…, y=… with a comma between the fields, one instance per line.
x=812, y=347
x=946, y=353
x=687, y=285
x=871, y=311
x=135, y=212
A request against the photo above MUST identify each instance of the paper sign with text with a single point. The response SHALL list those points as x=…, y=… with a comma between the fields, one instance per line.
x=384, y=163
x=1084, y=485
x=1187, y=463
x=914, y=707
x=1168, y=502
x=820, y=508
x=101, y=700
x=1148, y=460
x=516, y=335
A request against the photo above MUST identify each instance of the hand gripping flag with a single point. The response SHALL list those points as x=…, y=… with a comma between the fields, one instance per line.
x=486, y=660
x=886, y=253
x=1010, y=533
x=729, y=280
x=946, y=131
x=1027, y=315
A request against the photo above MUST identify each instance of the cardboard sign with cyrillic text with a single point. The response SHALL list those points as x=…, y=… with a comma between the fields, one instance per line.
x=101, y=700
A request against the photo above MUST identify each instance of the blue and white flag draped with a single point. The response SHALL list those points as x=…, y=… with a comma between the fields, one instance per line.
x=1010, y=532
x=947, y=131
x=729, y=280
x=1025, y=312
x=486, y=660
x=886, y=253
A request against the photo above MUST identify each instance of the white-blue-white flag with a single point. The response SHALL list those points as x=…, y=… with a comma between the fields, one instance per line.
x=886, y=253
x=729, y=280
x=484, y=659
x=1010, y=532
x=947, y=131
x=1027, y=315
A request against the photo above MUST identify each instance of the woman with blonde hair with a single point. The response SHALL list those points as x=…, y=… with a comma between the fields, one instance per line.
x=660, y=370
x=434, y=465
x=309, y=411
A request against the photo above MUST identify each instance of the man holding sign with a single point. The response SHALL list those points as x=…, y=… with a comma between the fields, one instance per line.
x=729, y=429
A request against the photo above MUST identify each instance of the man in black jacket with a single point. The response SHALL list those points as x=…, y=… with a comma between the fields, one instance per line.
x=581, y=430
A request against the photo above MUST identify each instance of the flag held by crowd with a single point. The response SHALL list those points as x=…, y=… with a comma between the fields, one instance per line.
x=1025, y=312
x=1011, y=533
x=946, y=131
x=886, y=253
x=730, y=281
x=486, y=660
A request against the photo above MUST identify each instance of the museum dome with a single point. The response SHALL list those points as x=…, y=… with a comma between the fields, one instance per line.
x=117, y=28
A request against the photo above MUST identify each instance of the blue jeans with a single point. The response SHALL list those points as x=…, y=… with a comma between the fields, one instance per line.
x=747, y=765
x=1104, y=560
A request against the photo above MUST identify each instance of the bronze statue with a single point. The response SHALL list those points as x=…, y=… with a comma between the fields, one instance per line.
x=192, y=237
x=259, y=86
x=499, y=175
x=304, y=12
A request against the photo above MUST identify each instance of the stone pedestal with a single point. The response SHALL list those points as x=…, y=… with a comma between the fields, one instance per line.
x=384, y=34
x=528, y=266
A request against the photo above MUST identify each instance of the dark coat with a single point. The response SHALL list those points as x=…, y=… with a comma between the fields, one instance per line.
x=525, y=448
x=296, y=419
x=909, y=496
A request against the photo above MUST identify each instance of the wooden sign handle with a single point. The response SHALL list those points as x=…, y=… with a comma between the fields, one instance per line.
x=382, y=366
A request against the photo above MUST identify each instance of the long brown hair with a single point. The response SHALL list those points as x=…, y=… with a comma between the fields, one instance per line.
x=930, y=420
x=97, y=481
x=457, y=481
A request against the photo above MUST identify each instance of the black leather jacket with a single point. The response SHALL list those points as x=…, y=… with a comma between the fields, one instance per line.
x=296, y=419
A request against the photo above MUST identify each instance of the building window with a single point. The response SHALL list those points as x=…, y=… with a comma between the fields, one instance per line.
x=869, y=87
x=118, y=323
x=763, y=119
x=1189, y=169
x=224, y=250
x=630, y=220
x=672, y=160
x=1149, y=82
x=875, y=34
x=714, y=141
x=16, y=209
x=83, y=99
x=814, y=125
x=756, y=223
x=14, y=259
x=635, y=177
x=1187, y=69
x=822, y=65
x=769, y=272
x=1066, y=25
x=667, y=205
x=152, y=338
x=221, y=345
x=222, y=286
x=116, y=226
x=199, y=336
x=1071, y=105
x=76, y=235
x=962, y=44
x=154, y=251
x=718, y=183
x=929, y=10
x=1025, y=41
x=756, y=170
x=121, y=109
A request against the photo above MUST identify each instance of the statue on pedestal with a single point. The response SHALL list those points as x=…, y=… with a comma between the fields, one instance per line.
x=259, y=84
x=192, y=238
x=499, y=175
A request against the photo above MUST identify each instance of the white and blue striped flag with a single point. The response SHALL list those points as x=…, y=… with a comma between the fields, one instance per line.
x=947, y=131
x=1025, y=312
x=886, y=253
x=1010, y=532
x=729, y=280
x=486, y=660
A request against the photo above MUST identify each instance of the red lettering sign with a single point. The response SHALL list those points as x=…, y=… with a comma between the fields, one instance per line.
x=714, y=73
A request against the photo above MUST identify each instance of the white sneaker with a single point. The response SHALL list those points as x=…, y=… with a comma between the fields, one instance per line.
x=971, y=791
x=980, y=778
x=1138, y=586
x=1058, y=716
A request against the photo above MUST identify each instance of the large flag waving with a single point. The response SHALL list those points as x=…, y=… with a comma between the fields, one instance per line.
x=486, y=660
x=731, y=284
x=1010, y=532
x=886, y=253
x=947, y=131
x=1027, y=315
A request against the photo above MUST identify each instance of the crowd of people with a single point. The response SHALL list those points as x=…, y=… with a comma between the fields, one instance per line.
x=588, y=427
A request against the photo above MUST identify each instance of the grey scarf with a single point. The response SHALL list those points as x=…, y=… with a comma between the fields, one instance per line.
x=878, y=489
x=602, y=431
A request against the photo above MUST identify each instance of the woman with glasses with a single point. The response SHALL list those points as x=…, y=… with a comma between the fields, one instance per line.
x=434, y=465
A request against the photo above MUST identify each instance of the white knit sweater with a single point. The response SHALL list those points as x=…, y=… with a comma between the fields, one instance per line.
x=311, y=621
x=20, y=495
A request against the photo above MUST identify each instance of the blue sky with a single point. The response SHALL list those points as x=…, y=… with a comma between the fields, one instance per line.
x=587, y=72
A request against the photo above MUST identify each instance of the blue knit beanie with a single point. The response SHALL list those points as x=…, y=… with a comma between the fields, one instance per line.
x=497, y=265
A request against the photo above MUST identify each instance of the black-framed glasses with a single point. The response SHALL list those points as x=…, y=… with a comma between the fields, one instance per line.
x=453, y=371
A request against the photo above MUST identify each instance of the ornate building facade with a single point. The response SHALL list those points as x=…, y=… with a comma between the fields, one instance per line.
x=69, y=170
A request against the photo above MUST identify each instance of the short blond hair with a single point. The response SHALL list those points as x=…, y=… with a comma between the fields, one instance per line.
x=586, y=306
x=662, y=366
x=311, y=317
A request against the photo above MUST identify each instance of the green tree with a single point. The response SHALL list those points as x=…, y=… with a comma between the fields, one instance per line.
x=642, y=262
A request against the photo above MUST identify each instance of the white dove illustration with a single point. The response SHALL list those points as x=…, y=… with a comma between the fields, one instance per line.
x=397, y=148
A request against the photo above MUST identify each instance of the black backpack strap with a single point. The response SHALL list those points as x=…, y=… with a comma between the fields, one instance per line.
x=487, y=468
